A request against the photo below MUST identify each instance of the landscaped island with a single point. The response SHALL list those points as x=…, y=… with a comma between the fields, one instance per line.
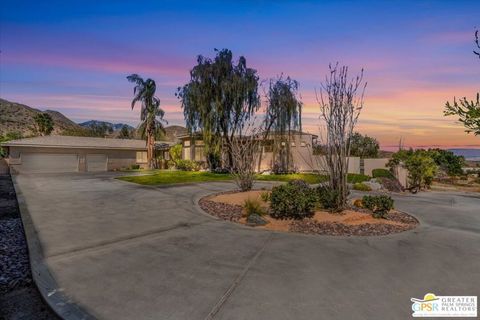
x=296, y=207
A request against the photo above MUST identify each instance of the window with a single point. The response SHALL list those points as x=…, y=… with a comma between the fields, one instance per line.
x=303, y=144
x=142, y=157
x=186, y=153
x=292, y=144
x=199, y=154
x=186, y=143
x=199, y=143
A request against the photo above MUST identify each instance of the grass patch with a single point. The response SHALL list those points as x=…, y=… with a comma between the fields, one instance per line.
x=310, y=178
x=162, y=177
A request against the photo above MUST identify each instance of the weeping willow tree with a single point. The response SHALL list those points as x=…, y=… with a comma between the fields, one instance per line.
x=151, y=114
x=219, y=98
x=283, y=114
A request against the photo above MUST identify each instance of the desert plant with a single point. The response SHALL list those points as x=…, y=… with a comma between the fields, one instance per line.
x=360, y=186
x=293, y=200
x=379, y=205
x=327, y=198
x=265, y=196
x=358, y=203
x=252, y=206
x=341, y=101
x=382, y=173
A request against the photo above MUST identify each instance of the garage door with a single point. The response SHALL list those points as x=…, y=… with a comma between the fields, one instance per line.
x=48, y=162
x=96, y=162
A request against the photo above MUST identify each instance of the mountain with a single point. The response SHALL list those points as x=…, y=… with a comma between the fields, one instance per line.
x=173, y=132
x=114, y=126
x=16, y=117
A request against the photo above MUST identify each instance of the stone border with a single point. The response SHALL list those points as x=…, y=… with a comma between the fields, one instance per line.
x=61, y=305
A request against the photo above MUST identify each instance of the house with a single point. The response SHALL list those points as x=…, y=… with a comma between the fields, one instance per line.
x=77, y=154
x=293, y=150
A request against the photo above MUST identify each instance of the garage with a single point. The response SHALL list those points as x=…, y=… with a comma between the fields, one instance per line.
x=49, y=162
x=96, y=162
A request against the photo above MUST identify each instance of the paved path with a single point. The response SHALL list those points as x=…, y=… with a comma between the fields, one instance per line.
x=123, y=251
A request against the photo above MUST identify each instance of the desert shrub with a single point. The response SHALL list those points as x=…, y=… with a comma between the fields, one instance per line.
x=327, y=198
x=187, y=165
x=294, y=200
x=379, y=205
x=382, y=173
x=253, y=207
x=358, y=203
x=135, y=166
x=265, y=196
x=355, y=178
x=360, y=186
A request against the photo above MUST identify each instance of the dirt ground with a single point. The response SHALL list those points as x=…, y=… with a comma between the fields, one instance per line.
x=347, y=217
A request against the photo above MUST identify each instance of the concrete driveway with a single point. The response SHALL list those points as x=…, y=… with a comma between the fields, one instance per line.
x=123, y=251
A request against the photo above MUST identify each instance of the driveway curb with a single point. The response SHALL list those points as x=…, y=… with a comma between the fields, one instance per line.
x=64, y=307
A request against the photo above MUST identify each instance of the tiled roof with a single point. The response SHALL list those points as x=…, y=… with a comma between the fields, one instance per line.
x=80, y=142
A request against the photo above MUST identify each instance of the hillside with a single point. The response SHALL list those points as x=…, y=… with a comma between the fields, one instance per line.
x=114, y=126
x=16, y=117
x=173, y=132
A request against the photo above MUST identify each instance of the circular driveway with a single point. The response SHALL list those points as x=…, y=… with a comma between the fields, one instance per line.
x=125, y=251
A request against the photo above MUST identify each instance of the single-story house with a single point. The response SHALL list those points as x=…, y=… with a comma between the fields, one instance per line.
x=49, y=154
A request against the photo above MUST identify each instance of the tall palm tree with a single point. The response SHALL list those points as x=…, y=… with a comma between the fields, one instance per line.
x=150, y=114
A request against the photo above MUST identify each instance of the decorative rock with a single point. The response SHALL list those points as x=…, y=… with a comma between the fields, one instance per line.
x=373, y=184
x=256, y=220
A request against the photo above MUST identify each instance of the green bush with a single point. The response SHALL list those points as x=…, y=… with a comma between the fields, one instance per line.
x=382, y=173
x=360, y=186
x=253, y=207
x=355, y=178
x=294, y=200
x=187, y=165
x=265, y=196
x=379, y=205
x=327, y=198
x=135, y=166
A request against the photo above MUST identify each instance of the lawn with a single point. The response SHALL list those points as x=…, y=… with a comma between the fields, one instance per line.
x=163, y=177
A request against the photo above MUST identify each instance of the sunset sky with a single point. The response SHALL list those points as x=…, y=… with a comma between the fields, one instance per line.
x=74, y=56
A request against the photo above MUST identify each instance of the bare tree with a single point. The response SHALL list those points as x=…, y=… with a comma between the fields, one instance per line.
x=245, y=154
x=341, y=101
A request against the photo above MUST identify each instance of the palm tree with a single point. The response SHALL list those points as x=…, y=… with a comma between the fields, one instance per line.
x=150, y=114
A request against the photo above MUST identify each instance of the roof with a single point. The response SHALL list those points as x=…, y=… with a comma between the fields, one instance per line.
x=81, y=142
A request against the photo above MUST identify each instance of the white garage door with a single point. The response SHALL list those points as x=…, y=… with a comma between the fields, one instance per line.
x=48, y=162
x=96, y=162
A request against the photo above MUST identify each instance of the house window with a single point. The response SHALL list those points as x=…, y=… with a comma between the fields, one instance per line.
x=199, y=143
x=142, y=157
x=199, y=154
x=186, y=153
x=186, y=143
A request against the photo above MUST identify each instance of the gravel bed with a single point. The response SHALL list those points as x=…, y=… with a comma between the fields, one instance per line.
x=221, y=210
x=310, y=226
x=19, y=297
